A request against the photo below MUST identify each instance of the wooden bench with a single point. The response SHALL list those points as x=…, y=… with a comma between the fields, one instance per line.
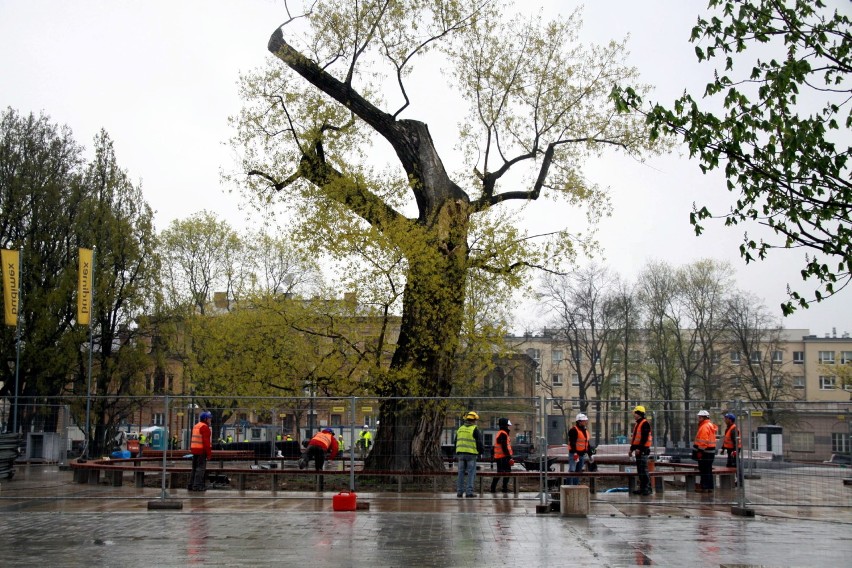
x=89, y=472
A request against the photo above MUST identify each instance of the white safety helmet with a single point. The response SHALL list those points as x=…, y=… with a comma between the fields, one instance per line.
x=703, y=413
x=582, y=416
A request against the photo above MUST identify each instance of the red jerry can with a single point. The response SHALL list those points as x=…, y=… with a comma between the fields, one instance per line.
x=344, y=501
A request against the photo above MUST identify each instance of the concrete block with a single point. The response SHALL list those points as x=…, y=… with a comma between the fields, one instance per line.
x=574, y=500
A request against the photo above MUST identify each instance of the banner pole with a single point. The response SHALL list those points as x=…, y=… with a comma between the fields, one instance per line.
x=17, y=344
x=91, y=343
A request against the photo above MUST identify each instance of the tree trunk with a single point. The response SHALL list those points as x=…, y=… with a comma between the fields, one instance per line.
x=408, y=437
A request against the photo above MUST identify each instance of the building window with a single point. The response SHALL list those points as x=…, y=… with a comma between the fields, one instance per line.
x=535, y=354
x=635, y=356
x=735, y=357
x=556, y=356
x=798, y=382
x=840, y=443
x=616, y=356
x=575, y=379
x=538, y=376
x=615, y=380
x=798, y=357
x=755, y=357
x=827, y=383
x=826, y=357
x=716, y=358
x=778, y=357
x=846, y=357
x=158, y=419
x=802, y=441
x=557, y=379
x=633, y=380
x=576, y=356
x=575, y=402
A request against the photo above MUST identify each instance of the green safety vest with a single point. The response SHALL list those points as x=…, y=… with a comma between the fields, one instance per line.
x=465, y=442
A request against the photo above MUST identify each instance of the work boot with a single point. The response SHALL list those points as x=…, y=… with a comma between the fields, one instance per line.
x=303, y=463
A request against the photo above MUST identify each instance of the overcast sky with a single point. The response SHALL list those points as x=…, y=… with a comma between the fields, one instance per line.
x=161, y=77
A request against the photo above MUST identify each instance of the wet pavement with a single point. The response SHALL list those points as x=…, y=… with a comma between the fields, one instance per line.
x=49, y=521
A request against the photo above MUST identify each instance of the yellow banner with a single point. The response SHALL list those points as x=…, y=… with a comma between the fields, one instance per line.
x=11, y=285
x=84, y=288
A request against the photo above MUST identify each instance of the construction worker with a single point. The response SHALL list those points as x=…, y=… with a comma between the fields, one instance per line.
x=704, y=451
x=502, y=454
x=731, y=442
x=143, y=439
x=288, y=438
x=468, y=447
x=640, y=448
x=229, y=439
x=340, y=443
x=578, y=447
x=202, y=450
x=323, y=442
x=279, y=437
x=365, y=441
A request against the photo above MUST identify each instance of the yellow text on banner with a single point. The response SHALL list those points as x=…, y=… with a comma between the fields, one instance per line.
x=84, y=288
x=11, y=285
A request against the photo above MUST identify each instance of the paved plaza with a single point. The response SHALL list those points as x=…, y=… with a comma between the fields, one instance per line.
x=84, y=525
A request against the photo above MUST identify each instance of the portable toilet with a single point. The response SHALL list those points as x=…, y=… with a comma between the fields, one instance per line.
x=159, y=438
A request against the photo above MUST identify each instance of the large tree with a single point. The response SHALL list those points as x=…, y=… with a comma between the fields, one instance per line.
x=115, y=218
x=776, y=115
x=40, y=200
x=537, y=105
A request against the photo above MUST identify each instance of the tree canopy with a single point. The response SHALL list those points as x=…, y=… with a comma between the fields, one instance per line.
x=776, y=117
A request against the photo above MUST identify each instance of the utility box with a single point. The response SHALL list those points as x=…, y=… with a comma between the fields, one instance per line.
x=556, y=430
x=45, y=446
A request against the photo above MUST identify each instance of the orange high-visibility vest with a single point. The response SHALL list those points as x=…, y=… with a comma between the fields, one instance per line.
x=637, y=434
x=324, y=439
x=582, y=443
x=731, y=439
x=196, y=445
x=705, y=439
x=498, y=447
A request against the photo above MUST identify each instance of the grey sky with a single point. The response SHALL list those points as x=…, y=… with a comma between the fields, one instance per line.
x=161, y=77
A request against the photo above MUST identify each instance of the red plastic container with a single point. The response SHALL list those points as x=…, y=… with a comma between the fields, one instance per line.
x=344, y=501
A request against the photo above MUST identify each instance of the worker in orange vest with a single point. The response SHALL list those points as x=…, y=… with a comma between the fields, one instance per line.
x=704, y=450
x=502, y=454
x=731, y=443
x=201, y=448
x=578, y=447
x=640, y=449
x=323, y=442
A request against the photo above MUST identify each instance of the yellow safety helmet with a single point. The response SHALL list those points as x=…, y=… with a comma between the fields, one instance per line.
x=471, y=416
x=639, y=408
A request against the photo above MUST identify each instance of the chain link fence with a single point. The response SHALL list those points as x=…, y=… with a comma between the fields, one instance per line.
x=792, y=454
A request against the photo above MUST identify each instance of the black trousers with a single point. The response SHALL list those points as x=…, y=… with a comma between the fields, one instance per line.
x=502, y=467
x=317, y=454
x=705, y=469
x=199, y=470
